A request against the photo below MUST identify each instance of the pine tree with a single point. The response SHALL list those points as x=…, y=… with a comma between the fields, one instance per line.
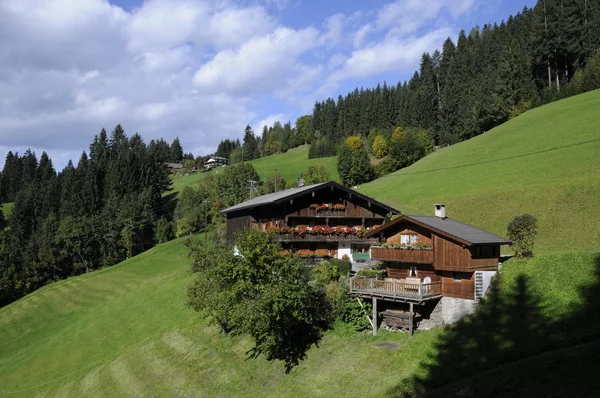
x=176, y=151
x=250, y=148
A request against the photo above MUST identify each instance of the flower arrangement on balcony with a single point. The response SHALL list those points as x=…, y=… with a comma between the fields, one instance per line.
x=321, y=253
x=328, y=206
x=302, y=230
x=404, y=246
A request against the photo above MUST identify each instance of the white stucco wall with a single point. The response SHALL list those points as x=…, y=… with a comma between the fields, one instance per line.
x=344, y=249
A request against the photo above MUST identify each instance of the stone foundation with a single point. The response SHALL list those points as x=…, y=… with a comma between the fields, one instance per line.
x=447, y=310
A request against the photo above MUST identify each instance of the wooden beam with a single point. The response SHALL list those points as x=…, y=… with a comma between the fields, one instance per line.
x=410, y=319
x=365, y=311
x=375, y=316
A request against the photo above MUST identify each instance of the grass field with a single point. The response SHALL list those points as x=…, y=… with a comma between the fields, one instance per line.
x=289, y=165
x=545, y=162
x=126, y=331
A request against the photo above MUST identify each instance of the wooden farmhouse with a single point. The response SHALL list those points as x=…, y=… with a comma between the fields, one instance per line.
x=315, y=221
x=440, y=264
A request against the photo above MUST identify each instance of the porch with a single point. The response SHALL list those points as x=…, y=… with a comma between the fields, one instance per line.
x=402, y=291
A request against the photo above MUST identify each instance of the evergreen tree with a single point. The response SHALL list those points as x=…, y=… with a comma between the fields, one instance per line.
x=514, y=85
x=354, y=165
x=250, y=148
x=176, y=151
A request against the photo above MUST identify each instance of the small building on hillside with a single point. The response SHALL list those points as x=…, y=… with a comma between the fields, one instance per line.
x=215, y=161
x=174, y=167
x=315, y=221
x=440, y=264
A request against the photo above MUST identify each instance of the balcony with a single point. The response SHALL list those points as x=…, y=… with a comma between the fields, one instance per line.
x=395, y=290
x=320, y=238
x=412, y=256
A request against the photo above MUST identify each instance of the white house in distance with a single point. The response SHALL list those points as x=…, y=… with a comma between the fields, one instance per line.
x=215, y=161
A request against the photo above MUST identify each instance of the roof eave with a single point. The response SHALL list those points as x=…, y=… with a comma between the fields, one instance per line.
x=321, y=186
x=433, y=229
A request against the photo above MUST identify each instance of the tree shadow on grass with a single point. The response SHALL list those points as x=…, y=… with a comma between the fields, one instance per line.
x=509, y=348
x=168, y=204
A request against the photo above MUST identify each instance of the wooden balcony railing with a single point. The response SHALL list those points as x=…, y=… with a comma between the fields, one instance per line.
x=320, y=238
x=395, y=289
x=415, y=256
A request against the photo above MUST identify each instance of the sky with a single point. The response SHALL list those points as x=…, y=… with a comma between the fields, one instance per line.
x=202, y=70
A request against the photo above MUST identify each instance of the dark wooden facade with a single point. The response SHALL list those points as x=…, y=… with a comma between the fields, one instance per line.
x=448, y=260
x=294, y=211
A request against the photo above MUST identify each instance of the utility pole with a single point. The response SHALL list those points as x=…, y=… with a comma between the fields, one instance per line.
x=252, y=187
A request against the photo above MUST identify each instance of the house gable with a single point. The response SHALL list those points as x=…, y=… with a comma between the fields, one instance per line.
x=326, y=204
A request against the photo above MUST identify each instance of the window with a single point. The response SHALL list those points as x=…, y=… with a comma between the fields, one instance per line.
x=360, y=248
x=412, y=271
x=407, y=239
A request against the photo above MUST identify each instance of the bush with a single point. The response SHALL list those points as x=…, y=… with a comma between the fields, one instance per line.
x=346, y=308
x=189, y=212
x=386, y=166
x=324, y=273
x=522, y=230
x=343, y=266
x=380, y=147
x=163, y=231
x=315, y=175
x=330, y=271
x=371, y=273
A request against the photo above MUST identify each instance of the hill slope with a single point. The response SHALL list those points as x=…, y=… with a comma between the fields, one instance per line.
x=289, y=165
x=126, y=331
x=544, y=162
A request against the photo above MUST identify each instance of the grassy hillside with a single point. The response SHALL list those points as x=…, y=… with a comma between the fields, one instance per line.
x=292, y=163
x=126, y=331
x=544, y=162
x=289, y=165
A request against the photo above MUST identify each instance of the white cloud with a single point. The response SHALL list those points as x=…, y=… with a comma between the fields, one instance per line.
x=189, y=68
x=392, y=53
x=261, y=65
x=361, y=34
x=269, y=121
x=407, y=16
x=69, y=68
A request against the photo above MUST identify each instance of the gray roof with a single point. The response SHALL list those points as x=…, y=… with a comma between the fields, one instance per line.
x=293, y=192
x=272, y=197
x=461, y=230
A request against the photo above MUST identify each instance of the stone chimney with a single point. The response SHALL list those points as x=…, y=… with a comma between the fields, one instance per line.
x=440, y=210
x=300, y=182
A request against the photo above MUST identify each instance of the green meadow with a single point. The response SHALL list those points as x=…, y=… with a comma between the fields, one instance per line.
x=288, y=165
x=545, y=162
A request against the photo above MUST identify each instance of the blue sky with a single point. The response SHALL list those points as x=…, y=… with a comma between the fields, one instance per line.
x=202, y=69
